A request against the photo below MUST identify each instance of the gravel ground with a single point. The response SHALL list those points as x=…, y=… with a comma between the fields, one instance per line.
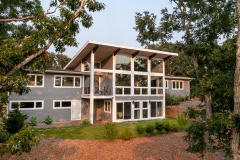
x=161, y=147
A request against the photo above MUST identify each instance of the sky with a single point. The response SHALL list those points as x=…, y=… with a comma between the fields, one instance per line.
x=115, y=24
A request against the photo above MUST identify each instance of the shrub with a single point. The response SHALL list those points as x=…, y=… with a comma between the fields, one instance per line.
x=174, y=100
x=126, y=134
x=4, y=135
x=33, y=121
x=85, y=122
x=171, y=126
x=159, y=125
x=15, y=121
x=182, y=121
x=150, y=129
x=110, y=131
x=140, y=128
x=23, y=141
x=48, y=120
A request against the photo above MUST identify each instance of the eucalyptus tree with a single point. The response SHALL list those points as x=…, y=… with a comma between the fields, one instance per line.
x=203, y=24
x=27, y=32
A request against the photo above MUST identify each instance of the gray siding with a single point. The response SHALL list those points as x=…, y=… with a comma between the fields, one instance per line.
x=48, y=93
x=183, y=93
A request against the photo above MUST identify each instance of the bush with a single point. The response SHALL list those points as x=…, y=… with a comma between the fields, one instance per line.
x=159, y=125
x=126, y=134
x=15, y=121
x=110, y=131
x=171, y=126
x=174, y=100
x=33, y=121
x=140, y=128
x=150, y=129
x=48, y=120
x=23, y=141
x=182, y=121
x=85, y=122
x=4, y=135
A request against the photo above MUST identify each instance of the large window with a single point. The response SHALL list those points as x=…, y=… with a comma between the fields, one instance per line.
x=124, y=110
x=177, y=85
x=136, y=110
x=156, y=85
x=35, y=80
x=59, y=104
x=67, y=81
x=123, y=84
x=140, y=85
x=145, y=110
x=26, y=105
x=156, y=66
x=140, y=64
x=123, y=62
x=156, y=109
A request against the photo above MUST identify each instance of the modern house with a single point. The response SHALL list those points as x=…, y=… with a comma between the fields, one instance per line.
x=103, y=82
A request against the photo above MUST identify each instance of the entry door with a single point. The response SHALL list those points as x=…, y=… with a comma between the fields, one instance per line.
x=76, y=110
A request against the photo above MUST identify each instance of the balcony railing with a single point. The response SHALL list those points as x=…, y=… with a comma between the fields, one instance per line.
x=99, y=91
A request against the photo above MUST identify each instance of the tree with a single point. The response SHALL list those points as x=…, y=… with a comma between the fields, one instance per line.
x=235, y=134
x=202, y=23
x=27, y=32
x=58, y=61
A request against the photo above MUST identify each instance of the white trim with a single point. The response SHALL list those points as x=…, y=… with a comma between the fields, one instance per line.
x=108, y=101
x=178, y=81
x=65, y=72
x=74, y=77
x=166, y=84
x=35, y=81
x=61, y=104
x=91, y=112
x=19, y=101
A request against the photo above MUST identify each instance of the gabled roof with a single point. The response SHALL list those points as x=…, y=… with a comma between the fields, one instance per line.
x=103, y=50
x=178, y=78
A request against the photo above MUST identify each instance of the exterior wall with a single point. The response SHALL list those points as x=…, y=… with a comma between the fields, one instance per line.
x=48, y=93
x=99, y=114
x=183, y=93
x=85, y=109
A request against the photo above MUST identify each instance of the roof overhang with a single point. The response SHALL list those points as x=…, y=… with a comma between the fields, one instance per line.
x=103, y=50
x=178, y=78
x=65, y=72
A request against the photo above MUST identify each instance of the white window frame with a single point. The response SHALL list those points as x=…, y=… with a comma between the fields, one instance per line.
x=117, y=70
x=137, y=109
x=123, y=88
x=141, y=93
x=140, y=87
x=35, y=82
x=121, y=120
x=166, y=84
x=156, y=108
x=176, y=81
x=139, y=72
x=110, y=110
x=157, y=88
x=61, y=104
x=74, y=77
x=19, y=101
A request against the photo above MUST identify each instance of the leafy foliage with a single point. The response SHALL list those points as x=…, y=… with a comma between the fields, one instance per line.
x=23, y=141
x=182, y=121
x=4, y=135
x=33, y=121
x=86, y=122
x=58, y=61
x=126, y=134
x=15, y=121
x=110, y=131
x=175, y=100
x=140, y=128
x=48, y=120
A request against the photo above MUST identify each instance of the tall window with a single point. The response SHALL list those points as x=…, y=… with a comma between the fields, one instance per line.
x=140, y=64
x=123, y=84
x=145, y=110
x=124, y=110
x=140, y=84
x=156, y=109
x=156, y=85
x=136, y=110
x=35, y=80
x=26, y=105
x=67, y=81
x=123, y=62
x=177, y=85
x=107, y=106
x=156, y=66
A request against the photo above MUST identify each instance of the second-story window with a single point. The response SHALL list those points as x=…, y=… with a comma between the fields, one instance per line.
x=35, y=80
x=67, y=81
x=156, y=85
x=123, y=84
x=123, y=62
x=140, y=64
x=140, y=84
x=177, y=85
x=156, y=66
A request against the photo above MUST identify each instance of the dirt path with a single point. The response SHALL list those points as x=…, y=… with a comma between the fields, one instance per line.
x=164, y=147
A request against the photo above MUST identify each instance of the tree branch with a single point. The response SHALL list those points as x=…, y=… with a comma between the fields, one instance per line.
x=38, y=53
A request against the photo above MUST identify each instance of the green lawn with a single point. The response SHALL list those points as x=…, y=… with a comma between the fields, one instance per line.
x=90, y=132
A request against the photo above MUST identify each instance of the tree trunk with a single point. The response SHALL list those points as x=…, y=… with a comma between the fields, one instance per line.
x=235, y=134
x=208, y=102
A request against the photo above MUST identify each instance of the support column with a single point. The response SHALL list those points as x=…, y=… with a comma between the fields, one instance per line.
x=149, y=76
x=164, y=93
x=114, y=110
x=92, y=88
